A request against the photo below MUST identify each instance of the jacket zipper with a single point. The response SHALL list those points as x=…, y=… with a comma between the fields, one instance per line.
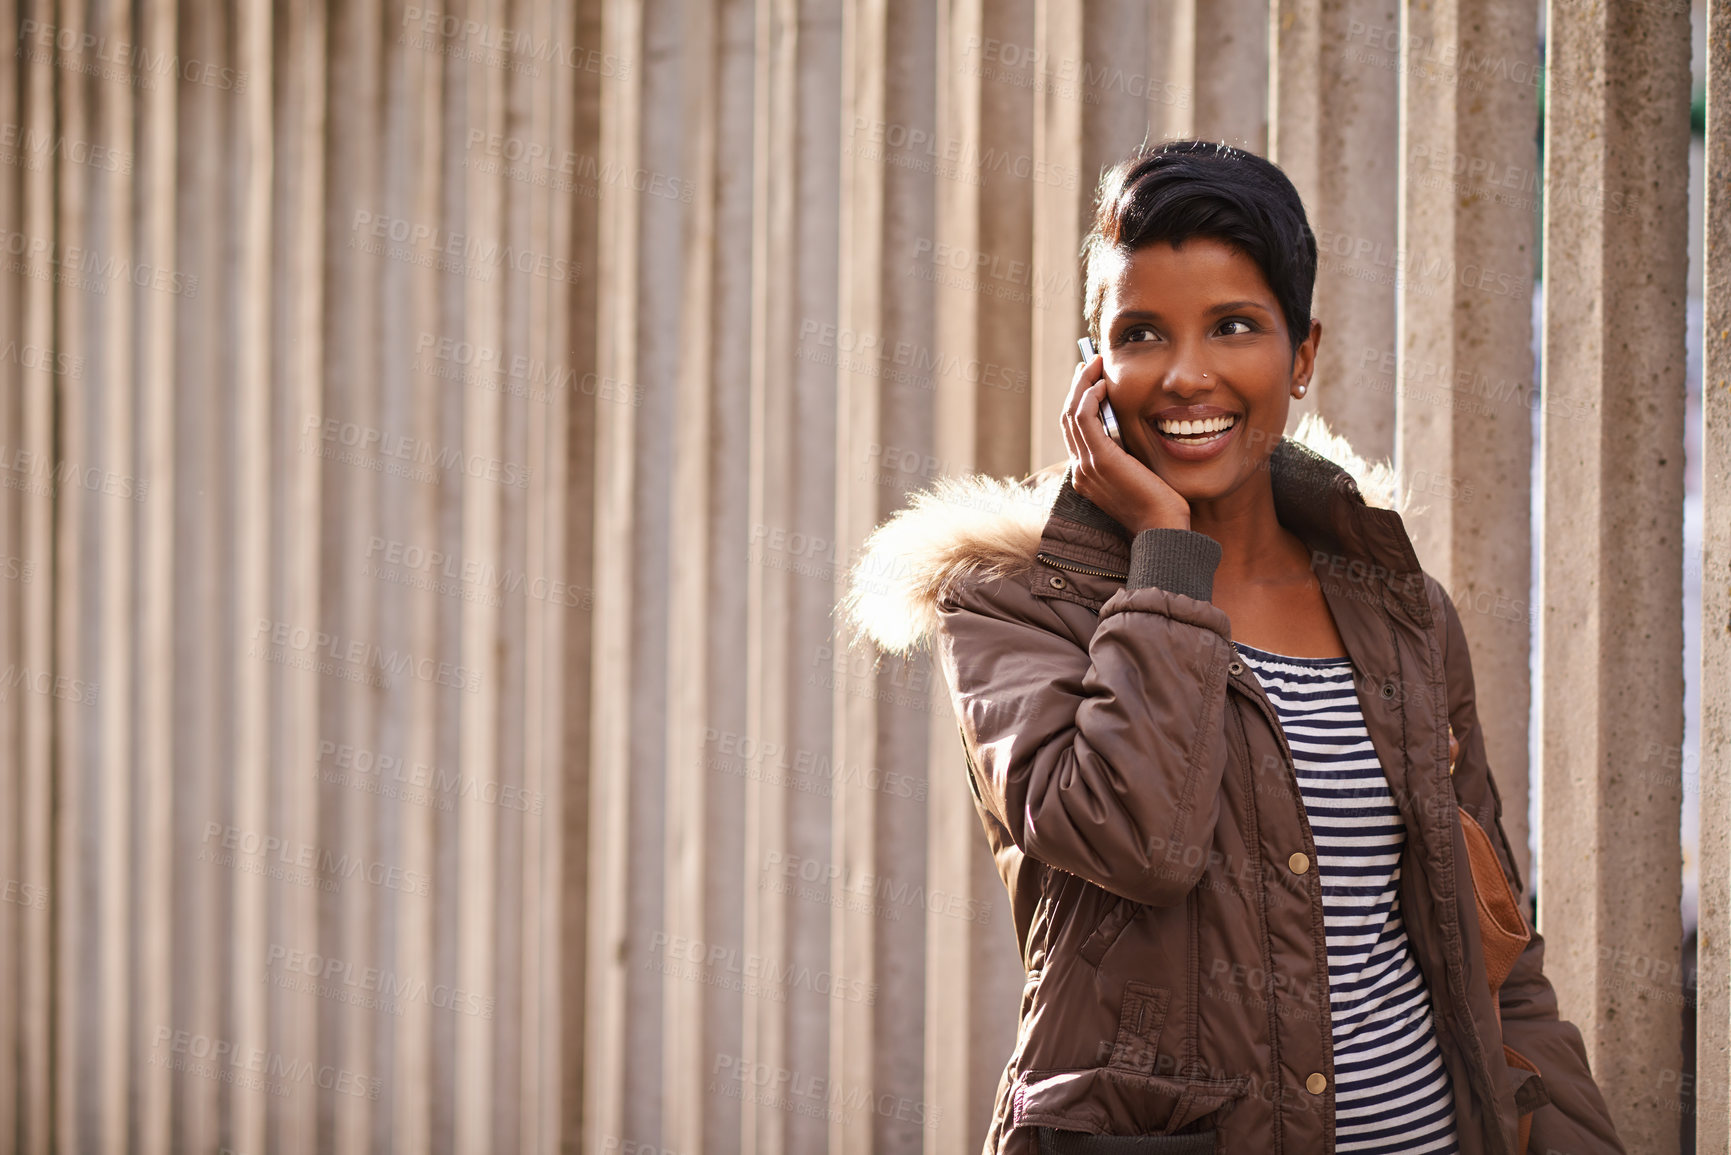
x=1078, y=567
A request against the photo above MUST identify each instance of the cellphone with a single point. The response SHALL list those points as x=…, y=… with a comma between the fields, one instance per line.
x=1107, y=418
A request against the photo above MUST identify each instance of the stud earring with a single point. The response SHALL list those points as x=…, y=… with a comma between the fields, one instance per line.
x=1299, y=392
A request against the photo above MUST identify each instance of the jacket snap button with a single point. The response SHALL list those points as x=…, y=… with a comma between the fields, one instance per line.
x=1317, y=1083
x=1300, y=862
x=1057, y=583
x=1387, y=691
x=1236, y=667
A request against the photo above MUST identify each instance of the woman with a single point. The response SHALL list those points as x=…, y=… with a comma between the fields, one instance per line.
x=1206, y=695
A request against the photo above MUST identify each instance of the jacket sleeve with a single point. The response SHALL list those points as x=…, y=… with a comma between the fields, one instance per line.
x=1576, y=1120
x=1104, y=761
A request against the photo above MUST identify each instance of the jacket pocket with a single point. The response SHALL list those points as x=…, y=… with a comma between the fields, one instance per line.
x=1056, y=1142
x=1530, y=1093
x=1042, y=928
x=1106, y=1101
x=1098, y=943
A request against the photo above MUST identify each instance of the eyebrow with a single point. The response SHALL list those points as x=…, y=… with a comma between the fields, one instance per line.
x=1223, y=307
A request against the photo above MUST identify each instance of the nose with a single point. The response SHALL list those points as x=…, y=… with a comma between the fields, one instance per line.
x=1186, y=374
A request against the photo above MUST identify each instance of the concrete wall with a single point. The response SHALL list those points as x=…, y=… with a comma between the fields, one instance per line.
x=434, y=441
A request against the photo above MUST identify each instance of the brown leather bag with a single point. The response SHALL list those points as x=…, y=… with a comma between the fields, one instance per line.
x=1502, y=929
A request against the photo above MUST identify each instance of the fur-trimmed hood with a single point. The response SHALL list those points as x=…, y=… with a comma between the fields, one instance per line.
x=990, y=527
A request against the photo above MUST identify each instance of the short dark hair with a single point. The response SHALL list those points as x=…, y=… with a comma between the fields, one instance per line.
x=1194, y=188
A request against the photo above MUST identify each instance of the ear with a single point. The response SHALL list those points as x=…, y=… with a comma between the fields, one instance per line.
x=1304, y=359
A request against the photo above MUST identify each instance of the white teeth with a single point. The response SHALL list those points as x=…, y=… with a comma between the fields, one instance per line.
x=1203, y=425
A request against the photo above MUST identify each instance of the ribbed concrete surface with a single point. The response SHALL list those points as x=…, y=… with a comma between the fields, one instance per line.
x=1464, y=438
x=429, y=485
x=1611, y=627
x=1713, y=1046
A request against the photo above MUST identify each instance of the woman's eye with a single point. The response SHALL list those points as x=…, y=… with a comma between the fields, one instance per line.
x=1236, y=327
x=1138, y=334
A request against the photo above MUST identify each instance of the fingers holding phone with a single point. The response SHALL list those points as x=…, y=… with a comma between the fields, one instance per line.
x=1084, y=431
x=1108, y=418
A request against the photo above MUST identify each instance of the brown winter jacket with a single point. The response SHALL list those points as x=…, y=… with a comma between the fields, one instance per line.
x=1139, y=799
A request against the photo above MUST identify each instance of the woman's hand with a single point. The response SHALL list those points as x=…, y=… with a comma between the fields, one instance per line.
x=1104, y=472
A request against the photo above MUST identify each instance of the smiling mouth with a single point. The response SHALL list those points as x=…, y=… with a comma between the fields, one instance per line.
x=1199, y=431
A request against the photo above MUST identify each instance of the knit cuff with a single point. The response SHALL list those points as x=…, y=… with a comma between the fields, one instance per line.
x=1179, y=560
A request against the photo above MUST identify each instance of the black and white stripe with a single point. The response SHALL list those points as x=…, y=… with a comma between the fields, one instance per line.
x=1392, y=1093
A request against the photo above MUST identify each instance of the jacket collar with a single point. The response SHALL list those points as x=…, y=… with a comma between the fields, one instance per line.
x=1315, y=498
x=1342, y=506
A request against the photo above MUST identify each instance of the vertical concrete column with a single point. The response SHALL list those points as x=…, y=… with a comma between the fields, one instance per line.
x=572, y=408
x=453, y=1084
x=85, y=1081
x=1465, y=280
x=1334, y=100
x=980, y=263
x=1167, y=85
x=892, y=159
x=354, y=502
x=542, y=380
x=486, y=102
x=110, y=526
x=510, y=842
x=707, y=871
x=79, y=858
x=32, y=714
x=490, y=100
x=1126, y=90
x=298, y=335
x=432, y=175
x=204, y=883
x=1221, y=56
x=14, y=583
x=641, y=251
x=1713, y=1011
x=249, y=567
x=413, y=403
x=691, y=583
x=154, y=757
x=1616, y=135
x=1060, y=221
x=786, y=759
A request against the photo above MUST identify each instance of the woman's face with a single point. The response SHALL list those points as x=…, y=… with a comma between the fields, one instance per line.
x=1195, y=339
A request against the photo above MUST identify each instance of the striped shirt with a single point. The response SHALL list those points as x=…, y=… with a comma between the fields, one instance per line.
x=1391, y=1091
